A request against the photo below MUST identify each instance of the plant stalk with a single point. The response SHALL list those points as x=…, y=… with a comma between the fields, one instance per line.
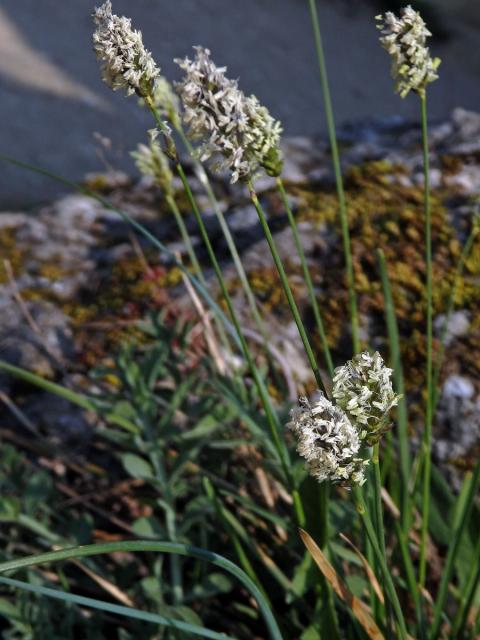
x=287, y=289
x=382, y=561
x=308, y=278
x=279, y=445
x=427, y=437
x=327, y=100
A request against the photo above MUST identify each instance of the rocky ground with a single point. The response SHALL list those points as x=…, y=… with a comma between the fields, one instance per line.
x=75, y=278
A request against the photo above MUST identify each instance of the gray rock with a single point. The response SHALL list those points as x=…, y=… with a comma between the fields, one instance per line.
x=457, y=388
x=59, y=419
x=458, y=420
x=41, y=351
x=242, y=218
x=457, y=326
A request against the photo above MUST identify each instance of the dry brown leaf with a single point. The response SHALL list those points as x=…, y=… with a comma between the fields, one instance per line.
x=358, y=608
x=368, y=569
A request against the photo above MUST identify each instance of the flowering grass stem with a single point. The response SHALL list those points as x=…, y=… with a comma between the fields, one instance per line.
x=203, y=177
x=373, y=536
x=377, y=495
x=287, y=289
x=279, y=445
x=308, y=277
x=186, y=239
x=338, y=175
x=427, y=436
x=194, y=261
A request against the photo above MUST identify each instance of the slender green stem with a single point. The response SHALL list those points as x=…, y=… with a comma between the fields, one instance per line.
x=308, y=278
x=381, y=559
x=427, y=439
x=135, y=546
x=462, y=516
x=402, y=412
x=237, y=261
x=287, y=289
x=377, y=493
x=337, y=169
x=324, y=489
x=194, y=261
x=279, y=445
x=409, y=570
x=272, y=422
x=186, y=238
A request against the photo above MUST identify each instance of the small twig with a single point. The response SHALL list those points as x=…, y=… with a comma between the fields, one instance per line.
x=29, y=318
x=18, y=298
x=19, y=414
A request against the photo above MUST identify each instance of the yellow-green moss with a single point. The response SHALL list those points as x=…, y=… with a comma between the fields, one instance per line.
x=9, y=251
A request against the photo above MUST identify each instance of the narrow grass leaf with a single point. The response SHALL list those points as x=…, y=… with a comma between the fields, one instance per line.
x=117, y=609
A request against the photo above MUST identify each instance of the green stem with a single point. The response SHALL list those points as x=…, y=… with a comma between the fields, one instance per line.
x=286, y=288
x=338, y=174
x=154, y=547
x=402, y=413
x=195, y=263
x=186, y=238
x=427, y=439
x=381, y=559
x=203, y=177
x=279, y=445
x=377, y=493
x=409, y=570
x=308, y=278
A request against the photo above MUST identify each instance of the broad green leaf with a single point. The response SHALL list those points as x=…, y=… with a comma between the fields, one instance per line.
x=136, y=466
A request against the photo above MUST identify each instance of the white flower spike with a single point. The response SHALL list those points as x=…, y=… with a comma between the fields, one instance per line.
x=328, y=441
x=405, y=39
x=152, y=161
x=126, y=63
x=363, y=389
x=227, y=122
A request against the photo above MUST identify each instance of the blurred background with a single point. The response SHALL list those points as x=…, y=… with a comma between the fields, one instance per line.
x=56, y=113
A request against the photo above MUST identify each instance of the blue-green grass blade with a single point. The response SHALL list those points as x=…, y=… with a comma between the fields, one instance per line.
x=119, y=610
x=139, y=546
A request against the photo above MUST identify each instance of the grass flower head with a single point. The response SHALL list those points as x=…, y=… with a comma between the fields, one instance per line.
x=126, y=64
x=404, y=38
x=151, y=160
x=227, y=122
x=328, y=441
x=363, y=389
